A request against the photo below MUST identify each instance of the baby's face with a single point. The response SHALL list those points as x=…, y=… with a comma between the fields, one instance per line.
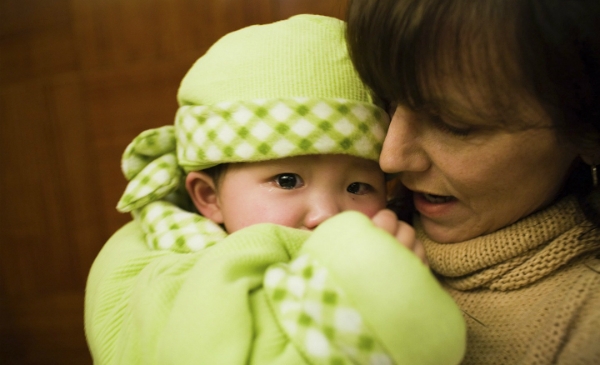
x=299, y=192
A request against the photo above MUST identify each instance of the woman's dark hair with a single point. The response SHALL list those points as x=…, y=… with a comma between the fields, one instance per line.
x=411, y=51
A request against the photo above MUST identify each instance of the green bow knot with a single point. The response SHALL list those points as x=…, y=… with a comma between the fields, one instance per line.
x=150, y=164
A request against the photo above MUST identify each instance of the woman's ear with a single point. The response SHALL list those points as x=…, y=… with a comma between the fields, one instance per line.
x=591, y=159
x=589, y=149
x=201, y=188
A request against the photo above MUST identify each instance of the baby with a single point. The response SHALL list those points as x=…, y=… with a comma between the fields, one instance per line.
x=275, y=135
x=274, y=127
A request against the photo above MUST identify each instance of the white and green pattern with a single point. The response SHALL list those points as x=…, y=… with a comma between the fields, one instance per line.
x=318, y=317
x=203, y=136
x=150, y=163
x=259, y=130
x=168, y=227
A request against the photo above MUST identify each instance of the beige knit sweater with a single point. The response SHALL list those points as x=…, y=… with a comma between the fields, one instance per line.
x=530, y=292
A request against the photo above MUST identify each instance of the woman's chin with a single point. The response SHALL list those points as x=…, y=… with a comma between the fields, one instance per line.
x=444, y=234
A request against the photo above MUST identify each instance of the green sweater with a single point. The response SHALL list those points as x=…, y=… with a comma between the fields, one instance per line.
x=346, y=293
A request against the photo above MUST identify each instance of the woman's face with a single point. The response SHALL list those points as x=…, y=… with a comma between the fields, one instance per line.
x=471, y=177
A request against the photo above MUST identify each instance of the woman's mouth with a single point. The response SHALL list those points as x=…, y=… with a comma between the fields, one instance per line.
x=437, y=199
x=434, y=206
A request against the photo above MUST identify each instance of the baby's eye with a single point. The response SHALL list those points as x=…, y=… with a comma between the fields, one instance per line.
x=359, y=188
x=289, y=181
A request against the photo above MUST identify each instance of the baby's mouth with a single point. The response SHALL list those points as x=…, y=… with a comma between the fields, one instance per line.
x=437, y=199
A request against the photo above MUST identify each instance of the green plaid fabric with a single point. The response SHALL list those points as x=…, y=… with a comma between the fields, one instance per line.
x=168, y=227
x=203, y=136
x=150, y=163
x=260, y=130
x=318, y=317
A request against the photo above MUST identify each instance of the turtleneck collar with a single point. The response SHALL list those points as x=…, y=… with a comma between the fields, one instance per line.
x=516, y=255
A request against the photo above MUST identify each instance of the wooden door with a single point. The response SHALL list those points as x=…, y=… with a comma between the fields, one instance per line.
x=78, y=80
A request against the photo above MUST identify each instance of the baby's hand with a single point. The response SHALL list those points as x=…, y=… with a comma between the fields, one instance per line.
x=404, y=232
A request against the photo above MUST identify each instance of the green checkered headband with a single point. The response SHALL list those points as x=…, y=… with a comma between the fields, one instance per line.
x=263, y=92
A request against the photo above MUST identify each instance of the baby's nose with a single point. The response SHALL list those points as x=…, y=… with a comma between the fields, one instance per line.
x=320, y=209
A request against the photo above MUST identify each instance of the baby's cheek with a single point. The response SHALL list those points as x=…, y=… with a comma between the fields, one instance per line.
x=370, y=208
x=284, y=217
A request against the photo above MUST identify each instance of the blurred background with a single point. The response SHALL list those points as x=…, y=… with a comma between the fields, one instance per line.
x=78, y=80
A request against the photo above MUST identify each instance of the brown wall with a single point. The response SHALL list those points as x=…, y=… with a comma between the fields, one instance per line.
x=78, y=80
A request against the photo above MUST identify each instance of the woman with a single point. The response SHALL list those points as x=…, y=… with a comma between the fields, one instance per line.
x=495, y=132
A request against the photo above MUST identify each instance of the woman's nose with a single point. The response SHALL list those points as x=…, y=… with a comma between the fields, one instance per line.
x=402, y=149
x=321, y=207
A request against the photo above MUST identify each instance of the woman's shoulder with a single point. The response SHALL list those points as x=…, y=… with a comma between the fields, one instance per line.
x=579, y=277
x=580, y=310
x=586, y=272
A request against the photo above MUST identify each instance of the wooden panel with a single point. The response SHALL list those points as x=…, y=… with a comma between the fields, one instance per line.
x=123, y=103
x=113, y=32
x=78, y=80
x=35, y=193
x=48, y=238
x=334, y=8
x=35, y=39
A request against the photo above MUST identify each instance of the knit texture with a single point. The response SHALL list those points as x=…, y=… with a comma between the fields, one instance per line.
x=304, y=56
x=530, y=292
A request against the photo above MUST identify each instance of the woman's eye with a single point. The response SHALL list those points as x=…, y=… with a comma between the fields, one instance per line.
x=289, y=181
x=448, y=128
x=358, y=188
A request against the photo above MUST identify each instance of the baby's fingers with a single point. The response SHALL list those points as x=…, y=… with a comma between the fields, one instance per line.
x=406, y=235
x=402, y=231
x=419, y=250
x=386, y=220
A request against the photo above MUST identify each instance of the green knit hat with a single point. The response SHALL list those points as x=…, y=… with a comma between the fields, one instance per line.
x=277, y=90
x=263, y=92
